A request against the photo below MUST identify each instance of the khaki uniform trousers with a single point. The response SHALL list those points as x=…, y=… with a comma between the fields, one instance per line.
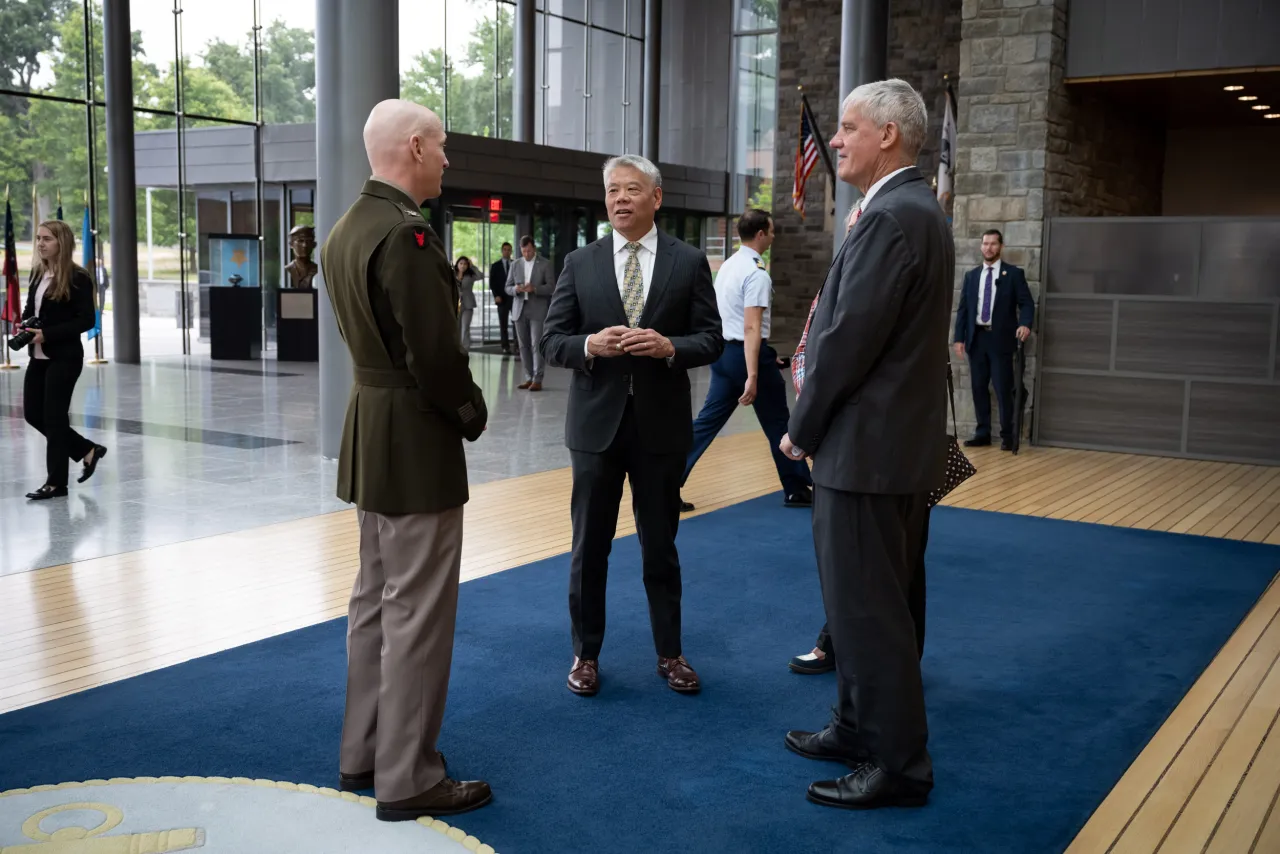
x=399, y=649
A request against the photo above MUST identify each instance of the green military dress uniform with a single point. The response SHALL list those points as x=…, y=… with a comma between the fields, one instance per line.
x=413, y=401
x=402, y=464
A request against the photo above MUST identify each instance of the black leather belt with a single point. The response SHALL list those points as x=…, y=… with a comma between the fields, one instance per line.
x=385, y=377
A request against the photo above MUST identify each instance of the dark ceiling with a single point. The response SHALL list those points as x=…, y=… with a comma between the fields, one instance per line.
x=1195, y=100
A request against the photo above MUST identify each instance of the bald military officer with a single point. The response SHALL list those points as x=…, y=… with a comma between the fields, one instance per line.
x=402, y=465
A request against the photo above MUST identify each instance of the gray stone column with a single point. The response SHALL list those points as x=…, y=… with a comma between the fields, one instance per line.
x=356, y=67
x=525, y=85
x=652, y=77
x=121, y=180
x=864, y=58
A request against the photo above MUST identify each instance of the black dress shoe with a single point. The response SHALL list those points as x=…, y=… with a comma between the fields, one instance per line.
x=822, y=745
x=1006, y=445
x=868, y=788
x=806, y=665
x=685, y=506
x=448, y=797
x=975, y=442
x=99, y=451
x=355, y=782
x=46, y=492
x=802, y=497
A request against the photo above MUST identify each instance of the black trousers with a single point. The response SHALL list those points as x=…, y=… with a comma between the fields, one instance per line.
x=597, y=491
x=504, y=318
x=46, y=401
x=915, y=599
x=868, y=549
x=989, y=367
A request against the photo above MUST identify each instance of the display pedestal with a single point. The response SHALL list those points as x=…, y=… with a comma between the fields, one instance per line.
x=235, y=323
x=297, y=325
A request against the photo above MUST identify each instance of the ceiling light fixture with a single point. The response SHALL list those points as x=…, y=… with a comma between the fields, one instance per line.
x=1272, y=116
x=1248, y=97
x=1261, y=106
x=1232, y=88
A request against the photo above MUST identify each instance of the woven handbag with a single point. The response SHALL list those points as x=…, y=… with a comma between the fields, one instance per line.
x=959, y=469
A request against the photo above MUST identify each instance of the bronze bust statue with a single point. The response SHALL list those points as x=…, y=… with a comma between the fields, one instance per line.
x=302, y=270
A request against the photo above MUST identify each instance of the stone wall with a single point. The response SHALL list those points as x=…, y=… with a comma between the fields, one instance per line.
x=1030, y=147
x=924, y=50
x=924, y=45
x=809, y=56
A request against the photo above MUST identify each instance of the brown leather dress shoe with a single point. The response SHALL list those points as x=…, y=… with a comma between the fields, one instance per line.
x=448, y=797
x=679, y=675
x=535, y=387
x=524, y=385
x=584, y=676
x=355, y=782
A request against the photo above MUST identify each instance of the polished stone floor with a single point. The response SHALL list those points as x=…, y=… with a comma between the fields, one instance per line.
x=199, y=448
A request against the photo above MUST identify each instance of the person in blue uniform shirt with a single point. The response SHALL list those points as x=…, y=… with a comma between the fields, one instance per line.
x=747, y=373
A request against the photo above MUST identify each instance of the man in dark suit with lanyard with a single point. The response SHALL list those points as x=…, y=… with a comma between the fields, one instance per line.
x=498, y=285
x=631, y=314
x=995, y=313
x=872, y=416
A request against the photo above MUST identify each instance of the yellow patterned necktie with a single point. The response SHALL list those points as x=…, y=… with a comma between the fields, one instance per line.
x=633, y=286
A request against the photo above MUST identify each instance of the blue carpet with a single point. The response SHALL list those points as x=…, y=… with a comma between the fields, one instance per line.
x=1054, y=652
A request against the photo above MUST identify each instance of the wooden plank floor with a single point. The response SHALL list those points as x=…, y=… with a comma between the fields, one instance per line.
x=1208, y=781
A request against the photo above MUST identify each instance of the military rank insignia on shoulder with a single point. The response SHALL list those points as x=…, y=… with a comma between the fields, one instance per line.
x=760, y=264
x=412, y=212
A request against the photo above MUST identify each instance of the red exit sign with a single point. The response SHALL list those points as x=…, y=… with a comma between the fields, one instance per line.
x=495, y=205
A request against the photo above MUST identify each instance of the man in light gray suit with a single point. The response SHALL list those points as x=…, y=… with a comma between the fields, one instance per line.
x=530, y=283
x=872, y=416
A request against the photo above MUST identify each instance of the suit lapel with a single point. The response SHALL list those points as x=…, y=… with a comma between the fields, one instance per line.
x=663, y=264
x=608, y=277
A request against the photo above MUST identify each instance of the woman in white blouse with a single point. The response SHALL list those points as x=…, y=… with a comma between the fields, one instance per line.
x=61, y=297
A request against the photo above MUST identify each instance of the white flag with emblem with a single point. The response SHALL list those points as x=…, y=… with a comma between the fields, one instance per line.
x=947, y=151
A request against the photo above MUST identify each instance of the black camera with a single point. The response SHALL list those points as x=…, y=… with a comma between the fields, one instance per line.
x=27, y=335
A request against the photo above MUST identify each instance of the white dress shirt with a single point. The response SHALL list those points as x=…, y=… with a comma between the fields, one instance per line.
x=46, y=282
x=647, y=254
x=527, y=266
x=995, y=286
x=875, y=188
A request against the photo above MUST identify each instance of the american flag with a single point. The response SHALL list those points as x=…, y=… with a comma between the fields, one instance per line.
x=806, y=158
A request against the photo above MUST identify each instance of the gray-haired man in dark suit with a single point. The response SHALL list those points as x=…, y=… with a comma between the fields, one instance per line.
x=872, y=417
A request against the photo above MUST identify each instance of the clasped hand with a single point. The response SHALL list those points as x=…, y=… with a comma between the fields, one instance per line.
x=623, y=340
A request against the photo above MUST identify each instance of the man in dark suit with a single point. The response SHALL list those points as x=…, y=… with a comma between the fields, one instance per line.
x=994, y=314
x=401, y=463
x=872, y=417
x=630, y=315
x=498, y=271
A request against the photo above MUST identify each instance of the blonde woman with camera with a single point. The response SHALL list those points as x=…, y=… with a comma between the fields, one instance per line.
x=59, y=310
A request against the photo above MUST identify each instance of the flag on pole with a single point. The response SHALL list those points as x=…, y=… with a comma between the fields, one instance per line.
x=11, y=309
x=806, y=158
x=947, y=151
x=86, y=241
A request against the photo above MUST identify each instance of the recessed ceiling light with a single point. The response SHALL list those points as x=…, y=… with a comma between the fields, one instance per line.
x=1272, y=116
x=1248, y=97
x=1261, y=106
x=1232, y=88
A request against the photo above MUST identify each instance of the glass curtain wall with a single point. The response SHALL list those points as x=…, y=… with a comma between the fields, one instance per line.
x=754, y=119
x=456, y=57
x=590, y=74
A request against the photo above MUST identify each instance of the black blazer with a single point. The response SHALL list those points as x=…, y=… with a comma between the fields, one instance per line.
x=1013, y=307
x=498, y=280
x=873, y=408
x=681, y=306
x=64, y=321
